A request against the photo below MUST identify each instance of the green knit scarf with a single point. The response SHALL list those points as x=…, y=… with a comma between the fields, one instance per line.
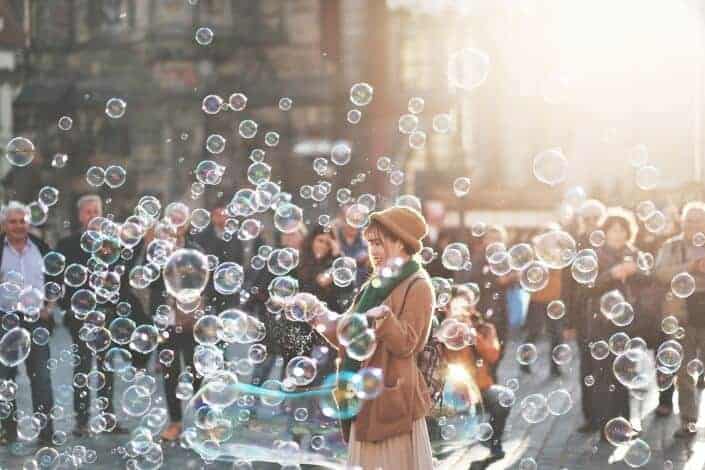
x=374, y=292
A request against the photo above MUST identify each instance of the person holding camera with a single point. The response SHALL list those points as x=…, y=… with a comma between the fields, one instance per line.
x=478, y=360
x=684, y=253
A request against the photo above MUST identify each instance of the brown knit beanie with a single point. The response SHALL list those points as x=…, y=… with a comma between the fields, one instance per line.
x=405, y=223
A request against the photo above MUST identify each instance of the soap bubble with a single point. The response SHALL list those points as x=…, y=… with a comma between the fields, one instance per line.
x=271, y=139
x=357, y=215
x=65, y=123
x=95, y=176
x=550, y=167
x=215, y=144
x=247, y=129
x=556, y=249
x=644, y=209
x=288, y=217
x=59, y=160
x=526, y=354
x=204, y=36
x=15, y=346
x=597, y=238
x=54, y=263
x=647, y=177
x=555, y=309
x=599, y=349
x=369, y=383
x=285, y=103
x=301, y=370
x=638, y=453
x=408, y=123
x=340, y=154
x=205, y=330
x=75, y=275
x=361, y=94
x=655, y=222
x=186, y=275
x=562, y=354
x=618, y=343
x=212, y=104
x=585, y=267
x=559, y=402
x=208, y=359
x=455, y=256
x=618, y=431
x=238, y=102
x=20, y=151
x=461, y=186
x=534, y=277
x=442, y=123
x=468, y=68
x=534, y=408
x=632, y=369
x=144, y=339
x=683, y=285
x=520, y=255
x=417, y=140
x=48, y=196
x=115, y=176
x=136, y=400
x=354, y=116
x=115, y=108
x=355, y=334
x=454, y=334
x=228, y=278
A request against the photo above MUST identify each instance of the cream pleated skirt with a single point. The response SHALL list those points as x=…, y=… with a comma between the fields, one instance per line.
x=408, y=451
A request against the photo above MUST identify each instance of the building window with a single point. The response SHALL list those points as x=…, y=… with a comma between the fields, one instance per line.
x=53, y=24
x=414, y=55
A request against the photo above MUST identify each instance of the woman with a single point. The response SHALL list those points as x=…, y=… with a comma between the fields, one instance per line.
x=390, y=431
x=178, y=326
x=619, y=276
x=317, y=252
x=479, y=360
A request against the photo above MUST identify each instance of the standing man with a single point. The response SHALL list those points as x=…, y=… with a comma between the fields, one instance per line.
x=89, y=207
x=22, y=263
x=215, y=240
x=680, y=255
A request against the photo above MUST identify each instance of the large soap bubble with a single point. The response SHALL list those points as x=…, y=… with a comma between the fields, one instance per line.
x=15, y=346
x=186, y=275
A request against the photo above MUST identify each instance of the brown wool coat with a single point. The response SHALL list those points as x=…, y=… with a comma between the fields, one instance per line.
x=400, y=337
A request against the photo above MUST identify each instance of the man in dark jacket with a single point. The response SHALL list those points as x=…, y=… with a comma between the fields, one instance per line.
x=89, y=207
x=21, y=263
x=215, y=240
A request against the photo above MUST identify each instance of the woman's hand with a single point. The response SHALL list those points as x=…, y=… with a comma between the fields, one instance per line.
x=324, y=279
x=378, y=313
x=334, y=248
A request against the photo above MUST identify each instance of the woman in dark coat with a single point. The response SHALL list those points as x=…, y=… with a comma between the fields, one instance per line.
x=618, y=271
x=319, y=250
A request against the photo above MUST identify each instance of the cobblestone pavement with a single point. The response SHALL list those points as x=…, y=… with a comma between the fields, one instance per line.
x=553, y=443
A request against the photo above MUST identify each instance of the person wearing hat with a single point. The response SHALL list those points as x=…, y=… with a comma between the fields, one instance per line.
x=389, y=431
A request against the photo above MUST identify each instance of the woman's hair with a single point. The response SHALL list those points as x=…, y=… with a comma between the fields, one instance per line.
x=309, y=266
x=623, y=217
x=307, y=246
x=375, y=228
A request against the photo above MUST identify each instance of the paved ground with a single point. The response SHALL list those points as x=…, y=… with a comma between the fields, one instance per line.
x=554, y=443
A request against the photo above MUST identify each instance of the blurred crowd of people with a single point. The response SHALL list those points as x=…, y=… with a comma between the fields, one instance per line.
x=635, y=262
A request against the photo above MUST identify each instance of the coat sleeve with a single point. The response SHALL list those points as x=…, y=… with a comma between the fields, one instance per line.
x=401, y=332
x=326, y=325
x=668, y=263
